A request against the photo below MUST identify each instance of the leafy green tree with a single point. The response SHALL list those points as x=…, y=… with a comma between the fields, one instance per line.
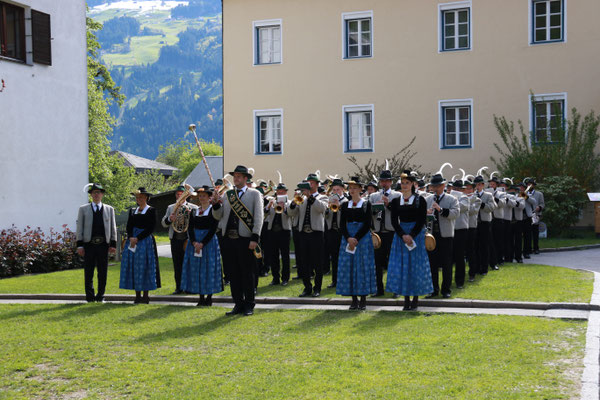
x=155, y=182
x=564, y=200
x=185, y=156
x=104, y=168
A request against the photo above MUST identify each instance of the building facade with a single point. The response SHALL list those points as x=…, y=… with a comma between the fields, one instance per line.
x=43, y=112
x=309, y=83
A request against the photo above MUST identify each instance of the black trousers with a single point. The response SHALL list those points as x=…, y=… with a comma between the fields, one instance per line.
x=509, y=246
x=472, y=252
x=280, y=246
x=326, y=258
x=382, y=257
x=178, y=253
x=497, y=242
x=483, y=246
x=517, y=238
x=535, y=235
x=441, y=257
x=461, y=239
x=220, y=239
x=310, y=246
x=295, y=240
x=334, y=240
x=265, y=244
x=96, y=256
x=527, y=231
x=240, y=262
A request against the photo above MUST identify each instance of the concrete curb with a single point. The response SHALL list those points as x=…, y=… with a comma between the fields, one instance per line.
x=572, y=248
x=590, y=379
x=450, y=303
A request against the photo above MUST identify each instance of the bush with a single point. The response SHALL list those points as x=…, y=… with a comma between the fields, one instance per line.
x=32, y=251
x=564, y=199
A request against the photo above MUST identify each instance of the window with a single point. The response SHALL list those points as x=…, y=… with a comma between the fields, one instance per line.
x=268, y=131
x=547, y=118
x=267, y=42
x=548, y=21
x=358, y=128
x=456, y=124
x=358, y=34
x=12, y=31
x=454, y=26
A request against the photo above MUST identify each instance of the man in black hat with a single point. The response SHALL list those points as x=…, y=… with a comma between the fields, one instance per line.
x=445, y=209
x=240, y=215
x=333, y=221
x=311, y=219
x=535, y=227
x=178, y=239
x=528, y=214
x=381, y=203
x=474, y=206
x=96, y=238
x=507, y=235
x=484, y=228
x=516, y=225
x=461, y=232
x=279, y=227
x=497, y=239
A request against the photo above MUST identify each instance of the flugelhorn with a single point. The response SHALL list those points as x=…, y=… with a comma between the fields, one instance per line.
x=298, y=199
x=334, y=207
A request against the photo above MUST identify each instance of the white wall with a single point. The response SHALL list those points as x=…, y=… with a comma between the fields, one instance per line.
x=43, y=126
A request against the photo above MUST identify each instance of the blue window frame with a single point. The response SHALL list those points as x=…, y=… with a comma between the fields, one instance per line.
x=456, y=127
x=456, y=29
x=358, y=131
x=268, y=134
x=548, y=21
x=548, y=121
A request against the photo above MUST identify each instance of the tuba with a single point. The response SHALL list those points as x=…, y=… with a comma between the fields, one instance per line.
x=182, y=211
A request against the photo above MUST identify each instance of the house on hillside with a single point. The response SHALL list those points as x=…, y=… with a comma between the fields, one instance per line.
x=142, y=164
x=44, y=127
x=308, y=84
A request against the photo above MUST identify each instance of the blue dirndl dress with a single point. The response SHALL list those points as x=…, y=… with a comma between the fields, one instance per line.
x=356, y=272
x=408, y=271
x=202, y=275
x=139, y=270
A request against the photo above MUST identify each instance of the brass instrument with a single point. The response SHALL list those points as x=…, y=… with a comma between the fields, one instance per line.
x=376, y=240
x=271, y=188
x=299, y=199
x=525, y=194
x=227, y=185
x=430, y=243
x=334, y=207
x=182, y=211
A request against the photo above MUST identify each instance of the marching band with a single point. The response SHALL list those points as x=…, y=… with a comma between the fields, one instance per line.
x=356, y=230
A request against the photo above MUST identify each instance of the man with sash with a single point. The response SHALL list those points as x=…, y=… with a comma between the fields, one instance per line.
x=96, y=238
x=240, y=215
x=381, y=203
x=311, y=220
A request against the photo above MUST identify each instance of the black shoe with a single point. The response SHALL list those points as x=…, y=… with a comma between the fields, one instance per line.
x=274, y=283
x=255, y=291
x=495, y=268
x=316, y=294
x=362, y=304
x=471, y=279
x=378, y=294
x=501, y=263
x=331, y=285
x=431, y=296
x=520, y=261
x=145, y=300
x=248, y=313
x=396, y=296
x=354, y=304
x=178, y=291
x=527, y=256
x=234, y=311
x=460, y=286
x=284, y=283
x=414, y=304
x=446, y=295
x=305, y=293
x=406, y=303
x=208, y=300
x=200, y=304
x=225, y=282
x=483, y=273
x=536, y=252
x=137, y=300
x=296, y=277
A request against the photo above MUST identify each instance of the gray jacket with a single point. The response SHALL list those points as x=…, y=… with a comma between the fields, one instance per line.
x=511, y=203
x=376, y=198
x=530, y=206
x=329, y=215
x=500, y=199
x=488, y=205
x=168, y=224
x=448, y=203
x=539, y=198
x=253, y=201
x=286, y=220
x=85, y=219
x=462, y=222
x=317, y=212
x=519, y=207
x=474, y=206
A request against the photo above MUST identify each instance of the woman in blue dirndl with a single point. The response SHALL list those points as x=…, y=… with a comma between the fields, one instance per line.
x=202, y=275
x=139, y=262
x=408, y=269
x=356, y=264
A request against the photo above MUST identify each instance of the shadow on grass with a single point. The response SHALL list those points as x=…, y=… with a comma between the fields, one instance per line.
x=83, y=310
x=188, y=331
x=36, y=311
x=322, y=319
x=157, y=312
x=383, y=321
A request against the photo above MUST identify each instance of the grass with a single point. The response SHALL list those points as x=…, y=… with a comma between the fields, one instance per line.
x=570, y=238
x=161, y=238
x=161, y=352
x=516, y=282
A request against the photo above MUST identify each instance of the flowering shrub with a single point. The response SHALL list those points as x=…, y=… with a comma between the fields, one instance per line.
x=33, y=251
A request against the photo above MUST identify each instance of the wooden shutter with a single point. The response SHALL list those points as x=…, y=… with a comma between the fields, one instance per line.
x=40, y=30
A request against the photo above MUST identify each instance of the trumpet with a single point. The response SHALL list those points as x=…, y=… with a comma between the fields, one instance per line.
x=334, y=207
x=525, y=194
x=299, y=199
x=278, y=209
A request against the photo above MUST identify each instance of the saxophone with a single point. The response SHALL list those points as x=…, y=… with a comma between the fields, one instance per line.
x=182, y=211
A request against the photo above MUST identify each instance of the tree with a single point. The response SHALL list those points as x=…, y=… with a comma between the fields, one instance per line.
x=564, y=199
x=185, y=156
x=104, y=168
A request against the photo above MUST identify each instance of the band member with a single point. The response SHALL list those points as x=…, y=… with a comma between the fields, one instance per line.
x=381, y=203
x=240, y=215
x=484, y=229
x=333, y=223
x=311, y=213
x=497, y=240
x=96, y=239
x=218, y=184
x=530, y=207
x=279, y=225
x=535, y=228
x=262, y=264
x=461, y=233
x=509, y=251
x=202, y=263
x=445, y=209
x=139, y=263
x=356, y=272
x=409, y=272
x=471, y=251
x=371, y=187
x=516, y=224
x=178, y=240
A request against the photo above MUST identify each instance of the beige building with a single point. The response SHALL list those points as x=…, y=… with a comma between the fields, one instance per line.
x=309, y=83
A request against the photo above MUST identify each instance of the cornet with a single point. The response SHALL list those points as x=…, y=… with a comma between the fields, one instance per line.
x=299, y=199
x=334, y=207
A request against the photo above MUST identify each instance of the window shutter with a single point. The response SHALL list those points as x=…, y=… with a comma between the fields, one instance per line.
x=40, y=29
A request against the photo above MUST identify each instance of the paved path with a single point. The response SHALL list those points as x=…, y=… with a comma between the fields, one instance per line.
x=576, y=259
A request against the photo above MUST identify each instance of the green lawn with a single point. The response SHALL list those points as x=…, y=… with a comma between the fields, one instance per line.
x=167, y=352
x=513, y=282
x=162, y=238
